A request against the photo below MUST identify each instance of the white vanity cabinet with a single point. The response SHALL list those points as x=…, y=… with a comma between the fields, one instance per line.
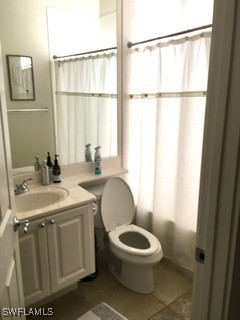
x=34, y=261
x=56, y=252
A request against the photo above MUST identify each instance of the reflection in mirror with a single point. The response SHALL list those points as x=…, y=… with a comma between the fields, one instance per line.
x=85, y=83
x=84, y=25
x=86, y=111
x=21, y=81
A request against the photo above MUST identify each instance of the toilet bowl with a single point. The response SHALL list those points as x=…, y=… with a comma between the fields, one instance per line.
x=132, y=250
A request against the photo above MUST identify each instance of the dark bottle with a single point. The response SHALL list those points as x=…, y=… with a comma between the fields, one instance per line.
x=50, y=166
x=49, y=161
x=56, y=171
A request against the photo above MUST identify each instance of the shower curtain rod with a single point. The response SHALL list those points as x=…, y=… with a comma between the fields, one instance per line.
x=83, y=53
x=131, y=44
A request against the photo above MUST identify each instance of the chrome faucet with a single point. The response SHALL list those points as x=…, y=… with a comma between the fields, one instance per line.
x=22, y=187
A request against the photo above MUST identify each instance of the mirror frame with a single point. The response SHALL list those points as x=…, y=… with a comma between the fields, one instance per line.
x=13, y=93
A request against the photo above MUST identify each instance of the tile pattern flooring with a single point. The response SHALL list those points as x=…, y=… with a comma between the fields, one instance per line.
x=171, y=298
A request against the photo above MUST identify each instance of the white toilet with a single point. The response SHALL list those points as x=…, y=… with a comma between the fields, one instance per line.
x=132, y=250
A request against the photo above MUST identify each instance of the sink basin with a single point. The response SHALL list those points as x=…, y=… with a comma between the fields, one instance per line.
x=38, y=198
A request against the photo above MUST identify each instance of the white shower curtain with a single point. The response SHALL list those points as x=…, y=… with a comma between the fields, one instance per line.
x=164, y=141
x=86, y=106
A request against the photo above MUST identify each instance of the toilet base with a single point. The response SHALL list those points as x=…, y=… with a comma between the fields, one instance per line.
x=136, y=277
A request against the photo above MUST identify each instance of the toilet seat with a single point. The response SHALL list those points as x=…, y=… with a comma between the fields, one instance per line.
x=118, y=211
x=117, y=205
x=115, y=234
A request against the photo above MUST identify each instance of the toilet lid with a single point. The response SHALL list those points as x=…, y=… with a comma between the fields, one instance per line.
x=117, y=204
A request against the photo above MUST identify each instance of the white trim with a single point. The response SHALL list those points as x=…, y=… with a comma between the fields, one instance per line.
x=120, y=76
x=10, y=272
x=218, y=207
x=53, y=87
x=5, y=221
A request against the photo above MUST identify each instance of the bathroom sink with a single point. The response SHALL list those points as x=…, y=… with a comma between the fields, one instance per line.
x=38, y=198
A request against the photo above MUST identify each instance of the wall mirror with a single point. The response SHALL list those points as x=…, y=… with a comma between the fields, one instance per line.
x=21, y=81
x=33, y=132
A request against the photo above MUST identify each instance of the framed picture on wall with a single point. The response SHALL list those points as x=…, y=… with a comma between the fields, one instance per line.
x=21, y=80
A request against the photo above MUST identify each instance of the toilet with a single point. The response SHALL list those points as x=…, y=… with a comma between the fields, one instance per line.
x=132, y=250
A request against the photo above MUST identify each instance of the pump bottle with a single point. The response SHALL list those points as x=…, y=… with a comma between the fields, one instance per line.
x=98, y=160
x=56, y=170
x=37, y=165
x=50, y=166
x=45, y=173
x=88, y=153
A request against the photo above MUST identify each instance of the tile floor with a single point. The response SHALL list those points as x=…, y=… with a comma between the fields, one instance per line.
x=171, y=298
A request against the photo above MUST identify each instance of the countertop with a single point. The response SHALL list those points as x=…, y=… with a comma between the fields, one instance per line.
x=77, y=195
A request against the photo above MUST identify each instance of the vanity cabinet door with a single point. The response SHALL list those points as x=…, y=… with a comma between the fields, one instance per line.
x=71, y=246
x=34, y=261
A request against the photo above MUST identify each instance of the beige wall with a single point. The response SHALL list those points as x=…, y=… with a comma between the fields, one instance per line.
x=107, y=6
x=23, y=31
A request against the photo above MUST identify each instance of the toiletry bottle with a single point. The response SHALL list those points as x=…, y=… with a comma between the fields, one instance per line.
x=56, y=171
x=37, y=165
x=88, y=153
x=45, y=173
x=50, y=166
x=98, y=160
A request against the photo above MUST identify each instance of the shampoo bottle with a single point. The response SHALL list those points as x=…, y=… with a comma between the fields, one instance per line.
x=98, y=160
x=56, y=171
x=37, y=165
x=88, y=153
x=50, y=166
x=45, y=173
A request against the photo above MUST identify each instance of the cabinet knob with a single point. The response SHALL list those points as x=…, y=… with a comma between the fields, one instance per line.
x=51, y=221
x=42, y=225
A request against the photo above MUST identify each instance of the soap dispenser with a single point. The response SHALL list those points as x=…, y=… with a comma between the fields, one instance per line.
x=56, y=170
x=88, y=153
x=37, y=165
x=45, y=173
x=98, y=160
